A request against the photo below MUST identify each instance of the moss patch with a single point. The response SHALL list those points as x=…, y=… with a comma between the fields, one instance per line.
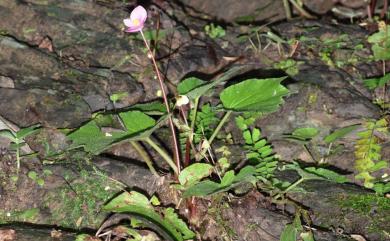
x=78, y=204
x=377, y=208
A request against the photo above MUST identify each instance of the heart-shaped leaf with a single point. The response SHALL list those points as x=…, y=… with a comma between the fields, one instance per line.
x=260, y=95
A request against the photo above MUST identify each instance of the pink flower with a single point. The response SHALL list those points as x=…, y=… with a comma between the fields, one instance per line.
x=137, y=20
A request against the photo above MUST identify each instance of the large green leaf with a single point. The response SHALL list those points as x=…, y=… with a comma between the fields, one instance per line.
x=189, y=84
x=137, y=204
x=136, y=121
x=260, y=95
x=91, y=138
x=194, y=173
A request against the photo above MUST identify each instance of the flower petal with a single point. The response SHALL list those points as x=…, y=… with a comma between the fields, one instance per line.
x=139, y=13
x=132, y=29
x=128, y=22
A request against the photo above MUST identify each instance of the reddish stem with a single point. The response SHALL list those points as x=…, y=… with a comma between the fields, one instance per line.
x=172, y=127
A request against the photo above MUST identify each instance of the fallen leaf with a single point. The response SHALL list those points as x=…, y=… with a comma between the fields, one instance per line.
x=358, y=237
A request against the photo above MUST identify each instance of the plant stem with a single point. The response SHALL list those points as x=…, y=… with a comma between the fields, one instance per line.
x=17, y=159
x=172, y=127
x=193, y=118
x=141, y=151
x=163, y=154
x=287, y=9
x=301, y=10
x=295, y=184
x=217, y=129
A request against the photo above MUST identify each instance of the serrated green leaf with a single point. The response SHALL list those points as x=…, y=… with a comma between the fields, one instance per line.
x=180, y=225
x=194, y=173
x=339, y=133
x=136, y=121
x=260, y=95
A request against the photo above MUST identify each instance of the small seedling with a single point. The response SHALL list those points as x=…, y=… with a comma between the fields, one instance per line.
x=17, y=140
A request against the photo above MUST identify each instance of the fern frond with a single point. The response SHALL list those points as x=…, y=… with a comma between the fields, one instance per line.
x=368, y=151
x=259, y=151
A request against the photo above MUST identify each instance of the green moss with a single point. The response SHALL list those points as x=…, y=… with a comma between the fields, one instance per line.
x=78, y=204
x=365, y=203
x=377, y=208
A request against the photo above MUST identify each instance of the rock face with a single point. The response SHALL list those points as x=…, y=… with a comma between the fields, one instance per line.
x=230, y=10
x=60, y=61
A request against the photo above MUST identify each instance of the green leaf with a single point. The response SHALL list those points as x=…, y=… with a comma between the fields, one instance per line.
x=339, y=133
x=378, y=166
x=180, y=225
x=150, y=108
x=136, y=121
x=40, y=182
x=289, y=233
x=91, y=138
x=128, y=198
x=194, y=173
x=256, y=135
x=327, y=174
x=136, y=203
x=8, y=134
x=201, y=189
x=305, y=133
x=307, y=236
x=381, y=187
x=22, y=133
x=118, y=96
x=32, y=175
x=83, y=237
x=201, y=90
x=228, y=178
x=189, y=84
x=246, y=174
x=260, y=95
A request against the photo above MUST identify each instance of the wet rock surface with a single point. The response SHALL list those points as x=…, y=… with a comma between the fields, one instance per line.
x=60, y=61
